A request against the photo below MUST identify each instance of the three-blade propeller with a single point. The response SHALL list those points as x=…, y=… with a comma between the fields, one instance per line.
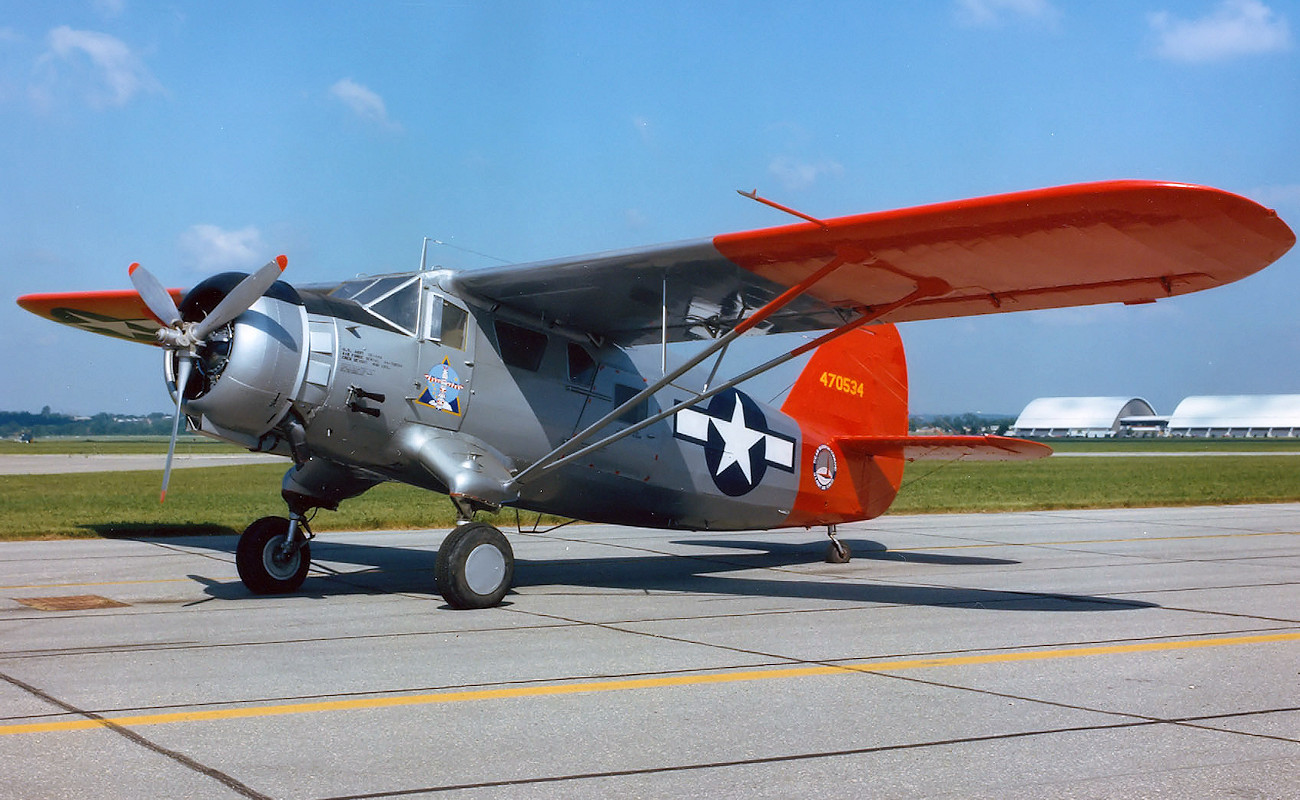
x=185, y=337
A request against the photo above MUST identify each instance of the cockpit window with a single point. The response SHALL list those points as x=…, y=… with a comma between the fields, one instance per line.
x=394, y=299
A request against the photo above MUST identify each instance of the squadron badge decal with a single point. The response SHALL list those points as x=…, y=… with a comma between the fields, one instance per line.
x=738, y=445
x=442, y=388
x=824, y=467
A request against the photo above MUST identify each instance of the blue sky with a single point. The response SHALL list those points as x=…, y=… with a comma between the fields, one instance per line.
x=200, y=137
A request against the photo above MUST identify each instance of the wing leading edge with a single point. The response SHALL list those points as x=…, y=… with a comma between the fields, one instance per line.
x=1120, y=241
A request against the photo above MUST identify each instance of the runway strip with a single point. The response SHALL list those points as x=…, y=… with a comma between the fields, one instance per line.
x=1126, y=652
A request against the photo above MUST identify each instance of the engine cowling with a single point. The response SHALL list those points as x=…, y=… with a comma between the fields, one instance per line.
x=247, y=372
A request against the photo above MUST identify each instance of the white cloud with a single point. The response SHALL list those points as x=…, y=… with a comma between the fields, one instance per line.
x=990, y=13
x=1234, y=28
x=363, y=102
x=211, y=248
x=118, y=73
x=795, y=174
x=110, y=8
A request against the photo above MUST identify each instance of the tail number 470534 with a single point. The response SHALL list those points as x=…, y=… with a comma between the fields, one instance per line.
x=840, y=383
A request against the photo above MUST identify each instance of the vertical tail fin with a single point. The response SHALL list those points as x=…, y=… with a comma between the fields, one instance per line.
x=854, y=385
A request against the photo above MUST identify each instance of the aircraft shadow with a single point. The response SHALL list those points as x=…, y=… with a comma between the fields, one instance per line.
x=141, y=531
x=392, y=570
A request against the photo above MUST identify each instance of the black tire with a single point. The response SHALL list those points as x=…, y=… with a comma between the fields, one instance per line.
x=475, y=566
x=257, y=557
x=838, y=555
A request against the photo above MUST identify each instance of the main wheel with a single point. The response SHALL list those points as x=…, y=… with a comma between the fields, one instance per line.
x=838, y=553
x=475, y=566
x=262, y=565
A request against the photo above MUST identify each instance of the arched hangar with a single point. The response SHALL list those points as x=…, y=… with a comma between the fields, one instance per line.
x=1093, y=417
x=1247, y=415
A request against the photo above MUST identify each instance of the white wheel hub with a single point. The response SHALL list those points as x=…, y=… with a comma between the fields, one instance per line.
x=485, y=569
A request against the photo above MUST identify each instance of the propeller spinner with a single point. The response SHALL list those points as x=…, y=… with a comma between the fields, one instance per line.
x=184, y=338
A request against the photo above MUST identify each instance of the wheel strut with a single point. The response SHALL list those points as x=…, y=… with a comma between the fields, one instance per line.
x=293, y=541
x=837, y=552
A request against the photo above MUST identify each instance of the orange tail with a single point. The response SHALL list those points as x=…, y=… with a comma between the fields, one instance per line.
x=854, y=386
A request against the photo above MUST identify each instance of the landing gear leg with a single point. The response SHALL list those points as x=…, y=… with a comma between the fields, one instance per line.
x=273, y=555
x=475, y=566
x=837, y=552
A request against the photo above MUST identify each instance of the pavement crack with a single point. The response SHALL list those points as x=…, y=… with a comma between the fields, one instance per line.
x=132, y=736
x=745, y=762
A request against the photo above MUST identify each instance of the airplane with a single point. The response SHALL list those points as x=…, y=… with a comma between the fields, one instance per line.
x=536, y=386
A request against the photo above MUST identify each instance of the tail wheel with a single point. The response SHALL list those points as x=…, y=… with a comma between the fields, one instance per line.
x=264, y=565
x=475, y=566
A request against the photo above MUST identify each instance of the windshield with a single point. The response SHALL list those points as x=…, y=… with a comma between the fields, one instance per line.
x=394, y=299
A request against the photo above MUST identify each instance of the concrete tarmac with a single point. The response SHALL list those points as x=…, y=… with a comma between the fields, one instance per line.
x=1072, y=654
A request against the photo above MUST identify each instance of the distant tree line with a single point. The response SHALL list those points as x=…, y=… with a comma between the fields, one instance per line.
x=14, y=424
x=969, y=423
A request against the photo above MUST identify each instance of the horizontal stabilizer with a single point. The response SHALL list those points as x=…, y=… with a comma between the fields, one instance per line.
x=944, y=448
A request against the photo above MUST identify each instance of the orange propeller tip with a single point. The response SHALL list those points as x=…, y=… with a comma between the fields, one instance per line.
x=283, y=261
x=131, y=269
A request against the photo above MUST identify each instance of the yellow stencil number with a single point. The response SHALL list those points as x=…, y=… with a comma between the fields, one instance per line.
x=842, y=384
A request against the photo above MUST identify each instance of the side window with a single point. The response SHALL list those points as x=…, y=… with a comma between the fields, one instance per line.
x=433, y=317
x=635, y=414
x=520, y=347
x=582, y=367
x=445, y=322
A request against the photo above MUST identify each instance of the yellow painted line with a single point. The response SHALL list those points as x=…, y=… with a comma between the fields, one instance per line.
x=670, y=681
x=1093, y=541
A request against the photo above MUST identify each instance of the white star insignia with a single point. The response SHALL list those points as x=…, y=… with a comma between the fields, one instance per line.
x=738, y=439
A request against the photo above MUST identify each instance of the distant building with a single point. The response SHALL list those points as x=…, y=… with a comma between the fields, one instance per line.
x=1091, y=417
x=1242, y=415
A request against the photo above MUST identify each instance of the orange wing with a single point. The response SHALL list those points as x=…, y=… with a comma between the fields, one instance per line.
x=1120, y=241
x=121, y=314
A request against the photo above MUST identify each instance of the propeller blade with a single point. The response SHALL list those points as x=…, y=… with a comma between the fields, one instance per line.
x=183, y=367
x=241, y=298
x=154, y=295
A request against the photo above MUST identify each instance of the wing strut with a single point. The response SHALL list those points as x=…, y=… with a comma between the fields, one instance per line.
x=573, y=449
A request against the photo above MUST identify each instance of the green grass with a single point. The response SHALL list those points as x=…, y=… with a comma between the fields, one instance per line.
x=219, y=500
x=1119, y=482
x=223, y=500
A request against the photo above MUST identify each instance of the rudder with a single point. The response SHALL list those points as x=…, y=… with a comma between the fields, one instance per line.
x=854, y=385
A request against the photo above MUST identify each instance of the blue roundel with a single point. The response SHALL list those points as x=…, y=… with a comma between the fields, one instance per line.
x=738, y=445
x=736, y=452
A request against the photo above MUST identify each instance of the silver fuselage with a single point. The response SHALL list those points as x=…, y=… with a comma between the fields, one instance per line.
x=396, y=378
